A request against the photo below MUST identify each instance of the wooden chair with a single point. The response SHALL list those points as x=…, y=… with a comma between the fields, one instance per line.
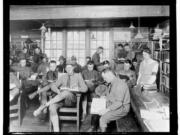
x=75, y=110
x=17, y=106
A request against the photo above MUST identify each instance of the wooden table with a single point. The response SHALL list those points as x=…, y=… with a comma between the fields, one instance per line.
x=137, y=104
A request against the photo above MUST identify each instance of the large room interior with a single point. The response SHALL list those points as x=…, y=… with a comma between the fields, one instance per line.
x=79, y=30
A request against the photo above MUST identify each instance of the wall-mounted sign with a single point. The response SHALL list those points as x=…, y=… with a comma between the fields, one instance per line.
x=24, y=36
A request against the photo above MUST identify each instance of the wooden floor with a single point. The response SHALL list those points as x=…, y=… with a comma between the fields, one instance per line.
x=32, y=124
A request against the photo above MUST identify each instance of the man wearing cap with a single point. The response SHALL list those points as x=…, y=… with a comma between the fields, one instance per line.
x=62, y=65
x=96, y=57
x=91, y=78
x=36, y=59
x=63, y=96
x=147, y=70
x=77, y=67
x=42, y=68
x=24, y=53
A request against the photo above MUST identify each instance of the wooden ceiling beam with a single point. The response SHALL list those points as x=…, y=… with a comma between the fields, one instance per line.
x=89, y=12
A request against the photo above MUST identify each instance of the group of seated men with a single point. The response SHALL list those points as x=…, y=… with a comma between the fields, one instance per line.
x=109, y=80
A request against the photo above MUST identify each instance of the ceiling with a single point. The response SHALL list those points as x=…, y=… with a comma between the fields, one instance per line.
x=18, y=25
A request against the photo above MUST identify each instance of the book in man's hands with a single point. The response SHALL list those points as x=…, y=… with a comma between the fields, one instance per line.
x=97, y=105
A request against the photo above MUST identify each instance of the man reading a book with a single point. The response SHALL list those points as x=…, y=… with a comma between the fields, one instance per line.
x=117, y=99
x=63, y=97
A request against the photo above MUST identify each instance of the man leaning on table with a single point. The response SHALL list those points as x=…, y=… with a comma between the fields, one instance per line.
x=117, y=100
x=63, y=97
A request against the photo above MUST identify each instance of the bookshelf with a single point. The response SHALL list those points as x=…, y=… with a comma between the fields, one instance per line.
x=160, y=49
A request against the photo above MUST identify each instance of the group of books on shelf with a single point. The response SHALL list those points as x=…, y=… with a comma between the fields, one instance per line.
x=165, y=81
x=163, y=56
x=165, y=68
x=156, y=117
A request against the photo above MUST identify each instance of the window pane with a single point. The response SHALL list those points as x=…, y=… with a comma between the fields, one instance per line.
x=69, y=53
x=76, y=35
x=99, y=35
x=92, y=52
x=70, y=44
x=99, y=43
x=47, y=36
x=82, y=44
x=53, y=36
x=93, y=45
x=47, y=44
x=53, y=45
x=47, y=52
x=59, y=44
x=70, y=35
x=59, y=53
x=59, y=36
x=76, y=44
x=82, y=36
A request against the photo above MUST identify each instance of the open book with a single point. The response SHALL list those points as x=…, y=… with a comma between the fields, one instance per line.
x=97, y=105
x=70, y=89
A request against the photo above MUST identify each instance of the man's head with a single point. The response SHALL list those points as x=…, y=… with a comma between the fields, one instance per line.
x=73, y=60
x=127, y=65
x=88, y=59
x=69, y=68
x=37, y=50
x=90, y=65
x=24, y=50
x=106, y=64
x=52, y=65
x=146, y=53
x=127, y=47
x=100, y=50
x=44, y=58
x=22, y=62
x=108, y=75
x=120, y=47
x=61, y=60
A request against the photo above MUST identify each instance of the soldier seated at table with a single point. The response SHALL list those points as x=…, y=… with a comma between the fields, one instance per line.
x=63, y=96
x=91, y=78
x=29, y=82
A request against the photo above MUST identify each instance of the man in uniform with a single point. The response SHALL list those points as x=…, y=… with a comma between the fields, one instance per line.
x=96, y=57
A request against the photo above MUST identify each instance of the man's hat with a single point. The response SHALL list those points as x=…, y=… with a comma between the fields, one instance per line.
x=73, y=58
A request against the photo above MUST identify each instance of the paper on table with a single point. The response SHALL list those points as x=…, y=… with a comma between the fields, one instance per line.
x=12, y=85
x=157, y=126
x=97, y=105
x=151, y=115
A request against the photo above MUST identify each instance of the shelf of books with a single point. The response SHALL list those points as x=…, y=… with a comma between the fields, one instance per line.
x=160, y=53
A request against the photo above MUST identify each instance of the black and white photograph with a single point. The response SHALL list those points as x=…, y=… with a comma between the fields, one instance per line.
x=90, y=68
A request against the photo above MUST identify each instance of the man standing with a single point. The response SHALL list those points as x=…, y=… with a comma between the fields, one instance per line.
x=130, y=53
x=117, y=99
x=96, y=57
x=63, y=97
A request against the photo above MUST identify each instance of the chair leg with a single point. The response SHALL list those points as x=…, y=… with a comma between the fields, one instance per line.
x=78, y=119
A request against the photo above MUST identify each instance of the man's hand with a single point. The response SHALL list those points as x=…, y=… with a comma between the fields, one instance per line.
x=103, y=111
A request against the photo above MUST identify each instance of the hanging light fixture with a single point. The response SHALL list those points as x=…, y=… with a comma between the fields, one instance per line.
x=139, y=35
x=131, y=26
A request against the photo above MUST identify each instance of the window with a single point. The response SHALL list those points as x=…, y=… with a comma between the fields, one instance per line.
x=76, y=45
x=54, y=45
x=100, y=38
